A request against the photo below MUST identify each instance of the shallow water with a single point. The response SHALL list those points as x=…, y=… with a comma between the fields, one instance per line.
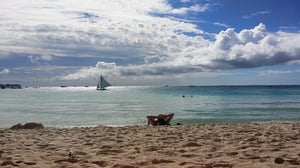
x=84, y=106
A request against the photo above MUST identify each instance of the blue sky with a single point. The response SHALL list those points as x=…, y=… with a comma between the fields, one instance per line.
x=150, y=42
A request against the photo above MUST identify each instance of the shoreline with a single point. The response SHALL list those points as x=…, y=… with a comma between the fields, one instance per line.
x=275, y=144
x=172, y=124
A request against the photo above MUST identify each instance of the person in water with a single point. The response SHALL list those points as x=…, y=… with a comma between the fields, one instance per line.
x=161, y=119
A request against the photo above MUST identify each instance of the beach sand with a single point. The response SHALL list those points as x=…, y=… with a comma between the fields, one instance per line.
x=254, y=145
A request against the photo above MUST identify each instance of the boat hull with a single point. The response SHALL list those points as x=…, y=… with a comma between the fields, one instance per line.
x=101, y=89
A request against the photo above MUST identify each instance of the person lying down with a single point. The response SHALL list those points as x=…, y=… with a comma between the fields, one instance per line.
x=161, y=119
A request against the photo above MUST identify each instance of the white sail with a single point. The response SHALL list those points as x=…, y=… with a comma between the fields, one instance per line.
x=102, y=84
x=99, y=85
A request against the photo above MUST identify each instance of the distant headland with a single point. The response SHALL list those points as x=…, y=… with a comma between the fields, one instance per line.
x=10, y=86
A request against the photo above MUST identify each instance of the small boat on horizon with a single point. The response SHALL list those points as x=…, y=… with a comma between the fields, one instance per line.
x=102, y=84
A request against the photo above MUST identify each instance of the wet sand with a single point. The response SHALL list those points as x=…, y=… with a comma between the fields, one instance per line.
x=265, y=145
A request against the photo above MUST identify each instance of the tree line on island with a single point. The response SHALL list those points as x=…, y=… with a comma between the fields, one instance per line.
x=10, y=86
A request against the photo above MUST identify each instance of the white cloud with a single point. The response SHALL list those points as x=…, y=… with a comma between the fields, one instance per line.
x=105, y=65
x=194, y=8
x=254, y=14
x=256, y=47
x=221, y=24
x=92, y=72
x=288, y=28
x=5, y=71
x=141, y=38
x=83, y=73
x=47, y=57
x=39, y=60
x=231, y=50
x=226, y=39
x=185, y=1
x=253, y=35
x=277, y=72
x=123, y=28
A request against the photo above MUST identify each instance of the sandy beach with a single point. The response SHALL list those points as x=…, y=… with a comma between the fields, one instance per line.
x=270, y=145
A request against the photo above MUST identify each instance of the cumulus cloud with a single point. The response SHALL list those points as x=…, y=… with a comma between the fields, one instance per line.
x=105, y=65
x=248, y=48
x=256, y=47
x=92, y=71
x=5, y=71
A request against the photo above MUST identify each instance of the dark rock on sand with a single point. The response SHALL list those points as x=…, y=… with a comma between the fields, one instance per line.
x=17, y=126
x=31, y=125
x=279, y=160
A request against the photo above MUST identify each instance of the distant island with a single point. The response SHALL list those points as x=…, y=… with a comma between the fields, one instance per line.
x=10, y=86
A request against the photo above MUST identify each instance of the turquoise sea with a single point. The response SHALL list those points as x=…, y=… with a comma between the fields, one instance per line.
x=119, y=106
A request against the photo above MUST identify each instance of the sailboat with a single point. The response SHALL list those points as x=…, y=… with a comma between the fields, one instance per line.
x=102, y=84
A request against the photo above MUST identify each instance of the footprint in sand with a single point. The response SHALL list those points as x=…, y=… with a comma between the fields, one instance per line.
x=100, y=163
x=123, y=166
x=6, y=163
x=30, y=163
x=159, y=161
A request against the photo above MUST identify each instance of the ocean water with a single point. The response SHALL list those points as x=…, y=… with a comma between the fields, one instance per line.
x=119, y=106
